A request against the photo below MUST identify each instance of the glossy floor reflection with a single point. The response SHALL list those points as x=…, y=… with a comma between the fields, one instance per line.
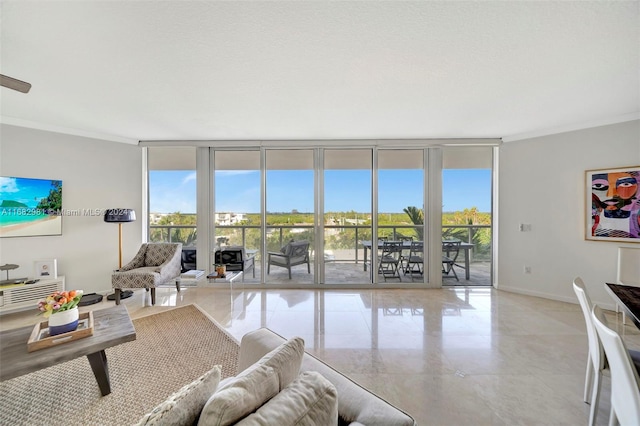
x=447, y=356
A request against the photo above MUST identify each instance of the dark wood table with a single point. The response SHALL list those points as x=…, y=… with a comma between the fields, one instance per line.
x=628, y=297
x=112, y=326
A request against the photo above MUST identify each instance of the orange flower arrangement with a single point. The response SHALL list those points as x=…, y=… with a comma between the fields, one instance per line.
x=59, y=301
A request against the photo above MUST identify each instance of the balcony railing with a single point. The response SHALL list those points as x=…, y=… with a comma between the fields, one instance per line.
x=342, y=243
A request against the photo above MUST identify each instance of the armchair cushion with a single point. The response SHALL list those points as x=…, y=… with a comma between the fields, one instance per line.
x=158, y=254
x=286, y=249
x=137, y=261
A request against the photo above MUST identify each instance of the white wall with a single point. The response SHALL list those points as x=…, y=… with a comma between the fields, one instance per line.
x=95, y=174
x=541, y=182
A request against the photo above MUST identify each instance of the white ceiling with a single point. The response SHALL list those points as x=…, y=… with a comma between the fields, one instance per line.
x=204, y=70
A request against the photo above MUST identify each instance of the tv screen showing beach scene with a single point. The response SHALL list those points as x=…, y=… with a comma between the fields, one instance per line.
x=30, y=207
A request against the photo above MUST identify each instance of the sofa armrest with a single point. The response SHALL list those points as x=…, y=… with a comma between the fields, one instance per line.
x=355, y=403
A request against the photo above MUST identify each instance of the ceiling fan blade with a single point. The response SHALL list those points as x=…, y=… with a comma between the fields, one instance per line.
x=12, y=83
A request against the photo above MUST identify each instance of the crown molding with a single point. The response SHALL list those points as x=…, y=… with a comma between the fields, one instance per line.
x=571, y=127
x=65, y=130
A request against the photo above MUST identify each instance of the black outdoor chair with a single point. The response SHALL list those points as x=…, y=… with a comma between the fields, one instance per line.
x=235, y=259
x=389, y=261
x=404, y=254
x=450, y=252
x=415, y=260
x=188, y=260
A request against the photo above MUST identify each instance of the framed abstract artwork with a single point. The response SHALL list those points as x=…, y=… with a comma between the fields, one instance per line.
x=613, y=204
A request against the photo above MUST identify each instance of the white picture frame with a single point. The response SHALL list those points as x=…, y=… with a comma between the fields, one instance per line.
x=46, y=268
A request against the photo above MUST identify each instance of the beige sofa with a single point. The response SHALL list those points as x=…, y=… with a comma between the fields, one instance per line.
x=356, y=405
x=278, y=383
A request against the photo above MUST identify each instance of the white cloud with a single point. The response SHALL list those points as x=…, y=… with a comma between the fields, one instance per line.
x=8, y=184
x=189, y=177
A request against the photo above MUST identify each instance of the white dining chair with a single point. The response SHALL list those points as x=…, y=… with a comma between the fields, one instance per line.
x=628, y=271
x=625, y=382
x=596, y=361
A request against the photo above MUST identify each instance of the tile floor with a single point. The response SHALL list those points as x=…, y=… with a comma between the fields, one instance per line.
x=454, y=356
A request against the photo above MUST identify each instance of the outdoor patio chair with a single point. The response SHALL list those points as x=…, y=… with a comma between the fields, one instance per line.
x=404, y=254
x=188, y=259
x=450, y=252
x=154, y=264
x=389, y=260
x=415, y=260
x=235, y=259
x=292, y=254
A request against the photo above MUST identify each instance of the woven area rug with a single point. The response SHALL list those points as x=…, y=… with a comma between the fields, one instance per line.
x=172, y=348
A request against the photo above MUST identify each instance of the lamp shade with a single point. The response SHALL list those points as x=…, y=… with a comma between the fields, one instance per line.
x=119, y=215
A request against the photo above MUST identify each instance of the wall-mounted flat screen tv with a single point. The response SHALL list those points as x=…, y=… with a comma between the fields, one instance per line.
x=30, y=207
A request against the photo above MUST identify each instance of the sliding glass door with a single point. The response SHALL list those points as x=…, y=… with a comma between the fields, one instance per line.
x=290, y=190
x=466, y=215
x=401, y=213
x=347, y=199
x=173, y=200
x=236, y=207
x=340, y=202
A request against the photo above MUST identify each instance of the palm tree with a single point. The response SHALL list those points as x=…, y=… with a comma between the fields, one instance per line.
x=417, y=218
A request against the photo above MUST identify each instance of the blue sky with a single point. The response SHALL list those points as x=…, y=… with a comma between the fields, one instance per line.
x=345, y=190
x=23, y=190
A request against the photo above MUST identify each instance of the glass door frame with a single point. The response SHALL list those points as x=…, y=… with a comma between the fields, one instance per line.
x=432, y=227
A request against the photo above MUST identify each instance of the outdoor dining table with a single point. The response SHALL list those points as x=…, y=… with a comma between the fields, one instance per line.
x=407, y=244
x=628, y=297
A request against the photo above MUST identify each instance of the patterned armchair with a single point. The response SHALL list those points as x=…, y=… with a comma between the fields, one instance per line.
x=155, y=264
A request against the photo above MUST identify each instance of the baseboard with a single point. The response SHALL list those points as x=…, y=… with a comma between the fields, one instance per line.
x=609, y=305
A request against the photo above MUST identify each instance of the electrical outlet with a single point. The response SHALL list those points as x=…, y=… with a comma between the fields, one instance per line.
x=527, y=269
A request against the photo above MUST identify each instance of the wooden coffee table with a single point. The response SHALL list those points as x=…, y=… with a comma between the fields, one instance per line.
x=112, y=326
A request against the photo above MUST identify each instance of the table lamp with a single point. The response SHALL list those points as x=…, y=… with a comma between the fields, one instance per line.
x=120, y=216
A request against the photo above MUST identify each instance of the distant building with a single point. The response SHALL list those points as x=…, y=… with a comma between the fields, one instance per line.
x=228, y=218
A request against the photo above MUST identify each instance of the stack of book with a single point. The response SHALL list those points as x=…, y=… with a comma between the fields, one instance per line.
x=193, y=274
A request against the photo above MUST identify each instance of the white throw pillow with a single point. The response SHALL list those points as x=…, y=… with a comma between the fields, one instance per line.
x=184, y=406
x=285, y=360
x=240, y=396
x=309, y=400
